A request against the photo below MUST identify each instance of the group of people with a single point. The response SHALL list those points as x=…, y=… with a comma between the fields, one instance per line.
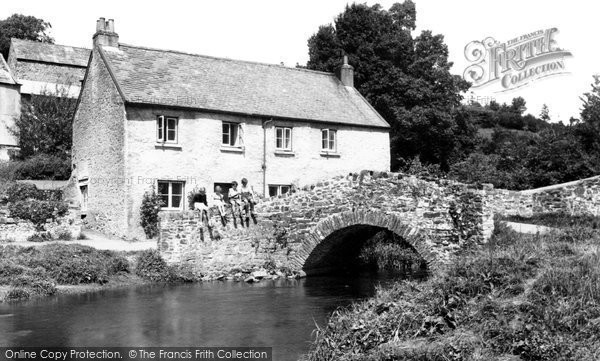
x=242, y=200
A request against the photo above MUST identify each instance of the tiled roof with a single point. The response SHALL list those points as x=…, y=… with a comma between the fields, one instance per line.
x=169, y=78
x=50, y=53
x=5, y=76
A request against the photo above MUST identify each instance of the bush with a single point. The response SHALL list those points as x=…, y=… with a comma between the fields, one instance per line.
x=152, y=266
x=149, y=210
x=23, y=191
x=17, y=294
x=39, y=237
x=39, y=167
x=38, y=212
x=119, y=264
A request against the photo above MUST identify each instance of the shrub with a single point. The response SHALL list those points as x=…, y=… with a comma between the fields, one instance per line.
x=41, y=166
x=149, y=210
x=119, y=264
x=17, y=294
x=152, y=266
x=38, y=212
x=39, y=237
x=22, y=191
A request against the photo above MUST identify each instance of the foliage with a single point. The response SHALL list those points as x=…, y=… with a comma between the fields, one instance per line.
x=406, y=79
x=386, y=251
x=149, y=211
x=60, y=264
x=39, y=237
x=23, y=27
x=38, y=167
x=23, y=191
x=45, y=124
x=529, y=297
x=152, y=266
x=38, y=212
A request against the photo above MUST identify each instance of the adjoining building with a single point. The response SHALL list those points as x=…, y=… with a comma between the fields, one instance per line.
x=175, y=121
x=36, y=68
x=9, y=109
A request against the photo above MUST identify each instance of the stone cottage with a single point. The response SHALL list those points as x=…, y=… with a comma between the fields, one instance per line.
x=175, y=121
x=36, y=68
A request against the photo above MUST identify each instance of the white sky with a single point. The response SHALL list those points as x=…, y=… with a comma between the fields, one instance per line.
x=277, y=31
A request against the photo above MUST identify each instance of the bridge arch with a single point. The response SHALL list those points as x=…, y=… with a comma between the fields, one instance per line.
x=361, y=224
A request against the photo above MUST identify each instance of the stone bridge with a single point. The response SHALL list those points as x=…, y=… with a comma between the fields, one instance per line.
x=314, y=228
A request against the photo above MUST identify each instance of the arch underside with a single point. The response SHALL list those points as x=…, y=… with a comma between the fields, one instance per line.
x=335, y=238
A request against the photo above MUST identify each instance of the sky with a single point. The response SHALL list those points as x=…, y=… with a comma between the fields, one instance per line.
x=274, y=31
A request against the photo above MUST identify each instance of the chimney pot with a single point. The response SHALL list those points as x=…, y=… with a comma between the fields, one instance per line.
x=105, y=33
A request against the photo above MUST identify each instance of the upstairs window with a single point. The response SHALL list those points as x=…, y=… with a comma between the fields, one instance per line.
x=329, y=140
x=166, y=129
x=171, y=194
x=283, y=138
x=232, y=135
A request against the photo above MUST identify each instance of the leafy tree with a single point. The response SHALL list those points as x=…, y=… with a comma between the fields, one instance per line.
x=45, y=124
x=23, y=27
x=545, y=113
x=406, y=79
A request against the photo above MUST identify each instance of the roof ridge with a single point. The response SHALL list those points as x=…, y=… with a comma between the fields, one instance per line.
x=39, y=42
x=227, y=59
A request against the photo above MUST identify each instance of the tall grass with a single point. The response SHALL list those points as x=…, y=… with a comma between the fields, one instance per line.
x=521, y=297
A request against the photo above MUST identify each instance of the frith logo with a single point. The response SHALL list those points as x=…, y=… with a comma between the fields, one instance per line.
x=514, y=63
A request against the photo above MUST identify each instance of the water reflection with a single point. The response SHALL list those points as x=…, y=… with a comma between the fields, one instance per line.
x=281, y=314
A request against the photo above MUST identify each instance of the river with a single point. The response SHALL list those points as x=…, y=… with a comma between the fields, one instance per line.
x=281, y=314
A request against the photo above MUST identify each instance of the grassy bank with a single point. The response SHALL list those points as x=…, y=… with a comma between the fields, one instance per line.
x=27, y=272
x=518, y=298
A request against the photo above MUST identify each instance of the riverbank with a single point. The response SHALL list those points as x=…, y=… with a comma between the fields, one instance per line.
x=64, y=268
x=521, y=297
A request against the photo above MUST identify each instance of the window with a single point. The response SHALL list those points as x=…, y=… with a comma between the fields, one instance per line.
x=283, y=138
x=232, y=135
x=166, y=129
x=83, y=188
x=329, y=140
x=278, y=190
x=171, y=194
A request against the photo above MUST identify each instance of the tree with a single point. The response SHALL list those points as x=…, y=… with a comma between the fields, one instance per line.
x=23, y=27
x=545, y=113
x=45, y=124
x=406, y=79
x=590, y=113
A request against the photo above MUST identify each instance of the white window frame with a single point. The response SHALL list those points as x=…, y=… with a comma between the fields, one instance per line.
x=326, y=138
x=169, y=205
x=285, y=131
x=84, y=182
x=163, y=129
x=238, y=143
x=279, y=189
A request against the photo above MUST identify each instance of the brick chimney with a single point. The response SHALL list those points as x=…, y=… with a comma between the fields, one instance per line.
x=346, y=73
x=105, y=33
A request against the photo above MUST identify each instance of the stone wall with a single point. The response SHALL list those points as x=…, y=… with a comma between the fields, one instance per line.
x=17, y=230
x=580, y=197
x=435, y=217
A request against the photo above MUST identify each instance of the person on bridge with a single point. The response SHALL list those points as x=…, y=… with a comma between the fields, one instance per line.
x=235, y=198
x=200, y=205
x=217, y=200
x=248, y=199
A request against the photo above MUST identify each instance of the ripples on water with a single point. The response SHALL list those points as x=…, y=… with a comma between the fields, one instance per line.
x=281, y=314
